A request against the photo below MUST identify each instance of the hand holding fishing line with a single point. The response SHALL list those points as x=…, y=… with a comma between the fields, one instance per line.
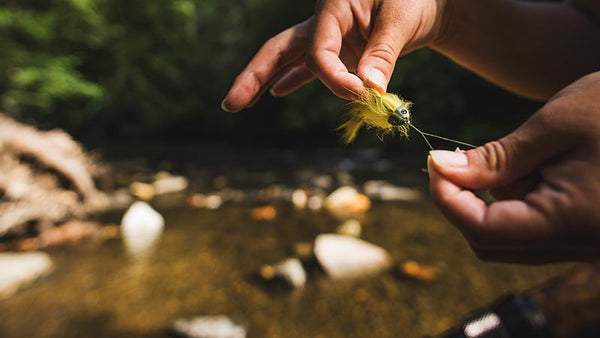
x=546, y=176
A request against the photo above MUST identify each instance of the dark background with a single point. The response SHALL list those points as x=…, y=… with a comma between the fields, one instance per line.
x=114, y=72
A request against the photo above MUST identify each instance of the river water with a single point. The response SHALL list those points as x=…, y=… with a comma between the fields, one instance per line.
x=207, y=263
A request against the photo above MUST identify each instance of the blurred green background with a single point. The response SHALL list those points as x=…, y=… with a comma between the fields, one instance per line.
x=132, y=71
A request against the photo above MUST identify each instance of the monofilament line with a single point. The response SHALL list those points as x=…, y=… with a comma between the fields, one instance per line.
x=439, y=137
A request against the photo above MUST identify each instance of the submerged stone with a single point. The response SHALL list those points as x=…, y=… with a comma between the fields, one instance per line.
x=209, y=327
x=290, y=270
x=18, y=270
x=141, y=228
x=347, y=257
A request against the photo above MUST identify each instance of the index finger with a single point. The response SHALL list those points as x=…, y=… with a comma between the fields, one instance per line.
x=323, y=58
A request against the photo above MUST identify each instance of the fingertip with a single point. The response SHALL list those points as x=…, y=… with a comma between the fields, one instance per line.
x=224, y=106
x=376, y=79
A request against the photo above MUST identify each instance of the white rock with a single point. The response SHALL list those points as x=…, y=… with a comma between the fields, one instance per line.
x=209, y=327
x=290, y=270
x=315, y=202
x=141, y=228
x=386, y=191
x=347, y=199
x=299, y=198
x=350, y=228
x=170, y=184
x=18, y=270
x=214, y=201
x=347, y=257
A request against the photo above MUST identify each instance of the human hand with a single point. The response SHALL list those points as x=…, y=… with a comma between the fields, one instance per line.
x=546, y=177
x=345, y=44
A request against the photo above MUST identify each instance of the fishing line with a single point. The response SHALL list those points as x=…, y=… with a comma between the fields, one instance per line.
x=439, y=137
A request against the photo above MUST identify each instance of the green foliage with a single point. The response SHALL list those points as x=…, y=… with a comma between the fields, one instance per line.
x=130, y=69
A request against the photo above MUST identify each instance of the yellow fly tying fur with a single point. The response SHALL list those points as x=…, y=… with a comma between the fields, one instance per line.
x=374, y=110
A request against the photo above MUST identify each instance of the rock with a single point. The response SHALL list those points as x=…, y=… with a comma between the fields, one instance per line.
x=119, y=199
x=386, y=191
x=347, y=200
x=167, y=184
x=143, y=191
x=418, y=271
x=266, y=213
x=204, y=201
x=141, y=228
x=350, y=228
x=347, y=257
x=70, y=232
x=209, y=327
x=299, y=198
x=290, y=270
x=315, y=202
x=322, y=181
x=18, y=270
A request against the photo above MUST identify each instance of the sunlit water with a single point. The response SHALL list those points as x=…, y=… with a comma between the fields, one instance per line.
x=206, y=263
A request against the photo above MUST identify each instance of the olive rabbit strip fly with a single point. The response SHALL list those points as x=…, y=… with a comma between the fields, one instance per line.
x=387, y=114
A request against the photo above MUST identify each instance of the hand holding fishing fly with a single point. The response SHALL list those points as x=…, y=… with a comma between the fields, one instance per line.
x=345, y=44
x=546, y=177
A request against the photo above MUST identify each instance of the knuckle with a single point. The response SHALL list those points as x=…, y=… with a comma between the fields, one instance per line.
x=385, y=53
x=494, y=156
x=310, y=60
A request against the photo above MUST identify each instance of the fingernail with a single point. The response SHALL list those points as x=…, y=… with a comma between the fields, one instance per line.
x=273, y=93
x=224, y=108
x=376, y=77
x=445, y=158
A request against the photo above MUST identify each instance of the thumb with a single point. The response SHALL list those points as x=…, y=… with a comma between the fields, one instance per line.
x=498, y=163
x=383, y=48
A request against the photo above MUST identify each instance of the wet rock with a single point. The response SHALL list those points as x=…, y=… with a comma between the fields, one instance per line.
x=347, y=200
x=414, y=270
x=350, y=228
x=166, y=183
x=70, y=232
x=209, y=327
x=143, y=191
x=300, y=198
x=18, y=270
x=290, y=270
x=205, y=201
x=322, y=181
x=347, y=257
x=141, y=228
x=266, y=213
x=119, y=199
x=315, y=202
x=386, y=191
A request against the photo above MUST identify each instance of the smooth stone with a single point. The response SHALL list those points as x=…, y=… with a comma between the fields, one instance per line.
x=299, y=198
x=348, y=257
x=141, y=228
x=386, y=191
x=209, y=327
x=350, y=228
x=290, y=270
x=143, y=191
x=170, y=184
x=347, y=200
x=19, y=270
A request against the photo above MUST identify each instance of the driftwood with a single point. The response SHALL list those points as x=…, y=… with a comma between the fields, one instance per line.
x=46, y=179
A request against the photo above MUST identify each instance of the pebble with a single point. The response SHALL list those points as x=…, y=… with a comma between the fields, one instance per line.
x=19, y=270
x=266, y=213
x=209, y=327
x=204, y=201
x=141, y=227
x=418, y=271
x=290, y=270
x=299, y=198
x=169, y=184
x=143, y=191
x=348, y=257
x=350, y=228
x=347, y=200
x=386, y=191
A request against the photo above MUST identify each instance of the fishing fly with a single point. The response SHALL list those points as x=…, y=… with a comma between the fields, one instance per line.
x=386, y=114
